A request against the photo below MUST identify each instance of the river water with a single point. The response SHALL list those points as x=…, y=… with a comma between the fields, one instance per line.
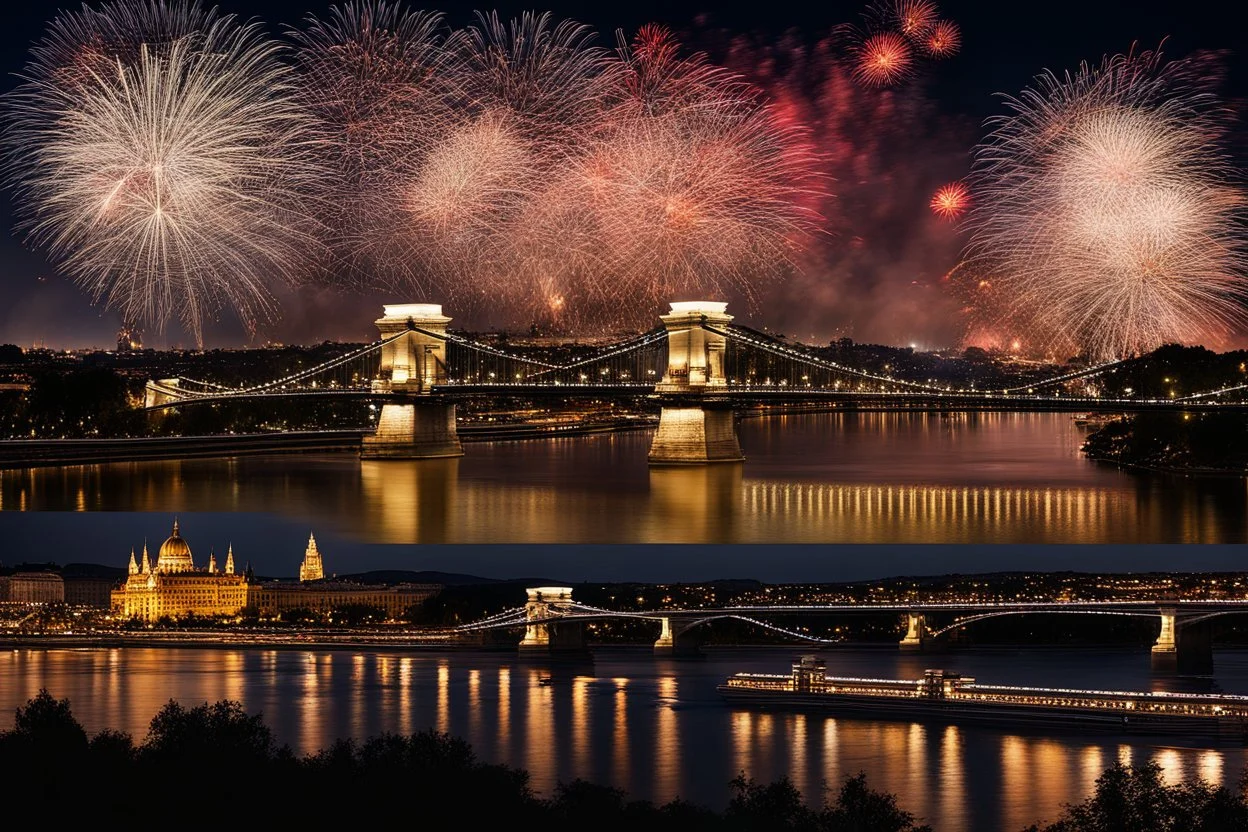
x=962, y=478
x=654, y=727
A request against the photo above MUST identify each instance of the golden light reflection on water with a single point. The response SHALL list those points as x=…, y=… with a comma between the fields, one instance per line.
x=620, y=769
x=444, y=696
x=474, y=701
x=646, y=729
x=952, y=782
x=986, y=478
x=667, y=756
x=504, y=710
x=539, y=726
x=580, y=723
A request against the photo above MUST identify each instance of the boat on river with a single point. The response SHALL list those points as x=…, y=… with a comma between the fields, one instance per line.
x=950, y=697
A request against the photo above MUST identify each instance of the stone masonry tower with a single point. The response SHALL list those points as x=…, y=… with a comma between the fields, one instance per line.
x=419, y=424
x=694, y=428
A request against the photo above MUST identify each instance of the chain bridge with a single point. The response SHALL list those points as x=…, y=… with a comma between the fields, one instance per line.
x=697, y=364
x=553, y=621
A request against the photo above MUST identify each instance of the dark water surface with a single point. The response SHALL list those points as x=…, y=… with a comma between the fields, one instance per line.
x=963, y=478
x=654, y=727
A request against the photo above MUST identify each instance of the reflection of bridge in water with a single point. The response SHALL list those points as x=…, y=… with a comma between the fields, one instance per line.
x=560, y=490
x=553, y=621
x=698, y=365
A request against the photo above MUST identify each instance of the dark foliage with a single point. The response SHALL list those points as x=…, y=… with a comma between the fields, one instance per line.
x=217, y=761
x=1135, y=797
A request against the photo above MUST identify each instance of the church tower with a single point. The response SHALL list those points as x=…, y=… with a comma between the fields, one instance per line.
x=134, y=567
x=212, y=562
x=311, y=569
x=229, y=560
x=147, y=563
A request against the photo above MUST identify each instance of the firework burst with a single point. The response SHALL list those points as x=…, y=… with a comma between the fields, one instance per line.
x=691, y=183
x=943, y=40
x=884, y=59
x=915, y=18
x=1105, y=213
x=166, y=179
x=950, y=201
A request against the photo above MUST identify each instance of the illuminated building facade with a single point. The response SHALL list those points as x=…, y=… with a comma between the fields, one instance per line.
x=311, y=569
x=174, y=588
x=32, y=588
x=274, y=599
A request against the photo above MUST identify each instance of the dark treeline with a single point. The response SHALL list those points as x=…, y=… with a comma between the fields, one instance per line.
x=216, y=765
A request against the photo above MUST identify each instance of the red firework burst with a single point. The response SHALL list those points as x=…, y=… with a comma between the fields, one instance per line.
x=915, y=18
x=883, y=60
x=951, y=201
x=943, y=40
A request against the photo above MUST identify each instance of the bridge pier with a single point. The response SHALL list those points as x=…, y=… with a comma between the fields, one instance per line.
x=695, y=435
x=917, y=637
x=413, y=430
x=693, y=430
x=413, y=361
x=1183, y=649
x=674, y=642
x=542, y=635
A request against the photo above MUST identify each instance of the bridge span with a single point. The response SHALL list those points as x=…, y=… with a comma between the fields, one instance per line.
x=698, y=366
x=553, y=620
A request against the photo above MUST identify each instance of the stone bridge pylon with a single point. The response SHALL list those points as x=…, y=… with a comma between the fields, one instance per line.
x=419, y=424
x=694, y=427
x=542, y=634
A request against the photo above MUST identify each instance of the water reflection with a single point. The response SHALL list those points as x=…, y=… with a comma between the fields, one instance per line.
x=655, y=728
x=866, y=477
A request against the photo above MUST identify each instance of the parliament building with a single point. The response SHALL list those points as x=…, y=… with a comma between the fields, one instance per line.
x=175, y=588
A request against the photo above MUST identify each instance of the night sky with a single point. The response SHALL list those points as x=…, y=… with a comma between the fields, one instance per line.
x=273, y=544
x=1003, y=46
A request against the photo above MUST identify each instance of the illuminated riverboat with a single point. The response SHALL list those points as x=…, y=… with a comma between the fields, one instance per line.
x=951, y=697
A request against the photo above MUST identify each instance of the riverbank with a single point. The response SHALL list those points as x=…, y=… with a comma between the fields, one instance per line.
x=1211, y=445
x=32, y=453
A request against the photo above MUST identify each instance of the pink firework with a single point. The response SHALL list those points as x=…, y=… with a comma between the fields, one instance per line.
x=951, y=201
x=944, y=40
x=883, y=60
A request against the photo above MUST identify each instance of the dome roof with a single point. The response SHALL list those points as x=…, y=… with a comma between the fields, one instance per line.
x=175, y=554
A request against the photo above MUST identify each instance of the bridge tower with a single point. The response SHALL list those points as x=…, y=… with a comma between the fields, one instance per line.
x=694, y=426
x=1184, y=648
x=674, y=642
x=544, y=603
x=918, y=636
x=419, y=425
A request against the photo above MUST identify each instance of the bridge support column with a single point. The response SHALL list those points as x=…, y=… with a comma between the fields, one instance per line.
x=413, y=430
x=917, y=636
x=692, y=430
x=420, y=425
x=1184, y=649
x=673, y=643
x=542, y=635
x=695, y=436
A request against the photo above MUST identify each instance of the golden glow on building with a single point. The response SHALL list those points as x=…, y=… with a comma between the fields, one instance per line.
x=174, y=588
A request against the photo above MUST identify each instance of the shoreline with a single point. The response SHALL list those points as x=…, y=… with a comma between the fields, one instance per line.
x=1210, y=473
x=445, y=641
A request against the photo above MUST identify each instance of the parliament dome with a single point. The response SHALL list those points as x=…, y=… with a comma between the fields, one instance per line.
x=174, y=554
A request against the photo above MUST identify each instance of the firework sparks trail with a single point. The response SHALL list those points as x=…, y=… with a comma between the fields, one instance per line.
x=1106, y=215
x=166, y=178
x=691, y=183
x=379, y=83
x=915, y=18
